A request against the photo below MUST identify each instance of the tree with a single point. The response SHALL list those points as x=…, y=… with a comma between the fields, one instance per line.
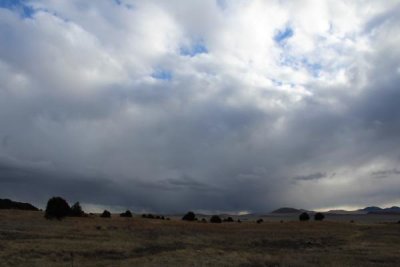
x=215, y=219
x=319, y=216
x=127, y=214
x=57, y=207
x=105, y=214
x=229, y=219
x=190, y=216
x=76, y=210
x=304, y=216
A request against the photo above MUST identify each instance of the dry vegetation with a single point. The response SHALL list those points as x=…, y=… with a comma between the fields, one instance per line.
x=27, y=239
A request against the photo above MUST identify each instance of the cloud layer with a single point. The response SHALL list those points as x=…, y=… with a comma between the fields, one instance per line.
x=203, y=105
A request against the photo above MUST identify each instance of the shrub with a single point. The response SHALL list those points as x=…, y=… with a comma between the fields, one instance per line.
x=76, y=210
x=239, y=221
x=304, y=216
x=215, y=219
x=229, y=219
x=127, y=213
x=203, y=220
x=57, y=207
x=260, y=221
x=190, y=216
x=319, y=216
x=105, y=214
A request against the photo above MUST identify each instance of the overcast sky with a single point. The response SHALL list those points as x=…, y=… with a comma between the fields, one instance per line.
x=205, y=105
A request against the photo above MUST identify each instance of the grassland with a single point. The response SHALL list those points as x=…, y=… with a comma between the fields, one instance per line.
x=27, y=239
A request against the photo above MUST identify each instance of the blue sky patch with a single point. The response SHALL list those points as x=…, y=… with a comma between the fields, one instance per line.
x=197, y=48
x=283, y=35
x=20, y=6
x=313, y=68
x=161, y=74
x=222, y=4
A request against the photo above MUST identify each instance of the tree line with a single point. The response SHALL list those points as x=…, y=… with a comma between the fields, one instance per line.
x=58, y=208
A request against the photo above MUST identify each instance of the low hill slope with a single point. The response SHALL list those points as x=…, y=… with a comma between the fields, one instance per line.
x=7, y=204
x=286, y=210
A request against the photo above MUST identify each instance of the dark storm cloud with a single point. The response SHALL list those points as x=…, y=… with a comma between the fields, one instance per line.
x=310, y=177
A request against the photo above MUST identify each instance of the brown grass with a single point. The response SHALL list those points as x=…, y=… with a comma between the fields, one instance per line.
x=27, y=239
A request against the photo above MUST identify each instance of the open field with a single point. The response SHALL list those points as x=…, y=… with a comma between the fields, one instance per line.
x=27, y=239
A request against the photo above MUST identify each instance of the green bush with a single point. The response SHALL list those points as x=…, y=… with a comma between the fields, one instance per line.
x=215, y=219
x=76, y=210
x=319, y=216
x=57, y=208
x=127, y=214
x=304, y=216
x=106, y=214
x=190, y=216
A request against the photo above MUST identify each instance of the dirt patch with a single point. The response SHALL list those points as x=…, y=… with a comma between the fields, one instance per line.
x=295, y=244
x=106, y=254
x=13, y=235
x=157, y=248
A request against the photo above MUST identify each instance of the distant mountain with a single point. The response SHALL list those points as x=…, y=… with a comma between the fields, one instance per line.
x=370, y=209
x=286, y=210
x=7, y=204
x=391, y=210
x=343, y=212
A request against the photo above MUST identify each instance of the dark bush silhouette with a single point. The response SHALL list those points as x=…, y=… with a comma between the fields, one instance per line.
x=57, y=207
x=127, y=214
x=215, y=219
x=190, y=216
x=304, y=216
x=239, y=221
x=150, y=216
x=319, y=216
x=76, y=210
x=105, y=214
x=9, y=204
x=260, y=221
x=229, y=219
x=203, y=220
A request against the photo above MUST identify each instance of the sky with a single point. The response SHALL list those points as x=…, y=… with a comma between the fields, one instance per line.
x=205, y=105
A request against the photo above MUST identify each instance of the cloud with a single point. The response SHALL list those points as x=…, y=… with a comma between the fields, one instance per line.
x=385, y=173
x=207, y=105
x=310, y=177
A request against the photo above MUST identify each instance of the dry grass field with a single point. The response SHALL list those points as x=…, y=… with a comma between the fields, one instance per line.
x=27, y=239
